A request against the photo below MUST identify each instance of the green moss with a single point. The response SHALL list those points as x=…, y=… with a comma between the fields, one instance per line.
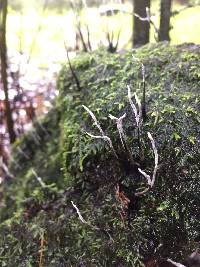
x=38, y=150
x=167, y=217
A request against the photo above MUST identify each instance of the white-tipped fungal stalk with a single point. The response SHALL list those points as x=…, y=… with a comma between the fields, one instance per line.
x=103, y=135
x=120, y=127
x=137, y=113
x=151, y=181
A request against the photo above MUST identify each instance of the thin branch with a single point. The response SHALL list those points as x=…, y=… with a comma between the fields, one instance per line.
x=5, y=168
x=81, y=36
x=117, y=43
x=176, y=12
x=89, y=224
x=72, y=70
x=86, y=45
x=88, y=38
x=156, y=31
x=39, y=179
x=177, y=264
x=110, y=37
x=149, y=20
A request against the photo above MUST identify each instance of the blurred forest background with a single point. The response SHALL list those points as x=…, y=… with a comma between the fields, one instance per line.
x=41, y=34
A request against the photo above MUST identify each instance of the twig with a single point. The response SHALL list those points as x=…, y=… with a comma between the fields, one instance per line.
x=81, y=36
x=149, y=20
x=117, y=43
x=39, y=179
x=5, y=168
x=176, y=12
x=111, y=47
x=86, y=45
x=89, y=224
x=175, y=263
x=72, y=70
x=88, y=38
x=87, y=27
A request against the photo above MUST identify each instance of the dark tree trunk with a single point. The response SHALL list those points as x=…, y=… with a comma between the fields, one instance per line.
x=3, y=57
x=141, y=28
x=165, y=14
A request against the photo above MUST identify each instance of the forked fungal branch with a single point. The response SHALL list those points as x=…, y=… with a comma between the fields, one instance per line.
x=137, y=113
x=103, y=135
x=120, y=128
x=150, y=181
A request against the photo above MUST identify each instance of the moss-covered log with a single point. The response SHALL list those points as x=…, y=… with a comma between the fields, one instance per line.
x=127, y=230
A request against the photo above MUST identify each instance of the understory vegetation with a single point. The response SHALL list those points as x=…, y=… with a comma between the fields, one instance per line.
x=57, y=162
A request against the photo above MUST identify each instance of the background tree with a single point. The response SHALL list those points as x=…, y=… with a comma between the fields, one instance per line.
x=3, y=57
x=141, y=27
x=165, y=14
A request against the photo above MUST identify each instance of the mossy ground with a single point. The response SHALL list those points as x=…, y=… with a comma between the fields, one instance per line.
x=77, y=168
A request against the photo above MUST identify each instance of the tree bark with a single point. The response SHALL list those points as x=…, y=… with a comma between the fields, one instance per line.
x=165, y=14
x=141, y=28
x=3, y=57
